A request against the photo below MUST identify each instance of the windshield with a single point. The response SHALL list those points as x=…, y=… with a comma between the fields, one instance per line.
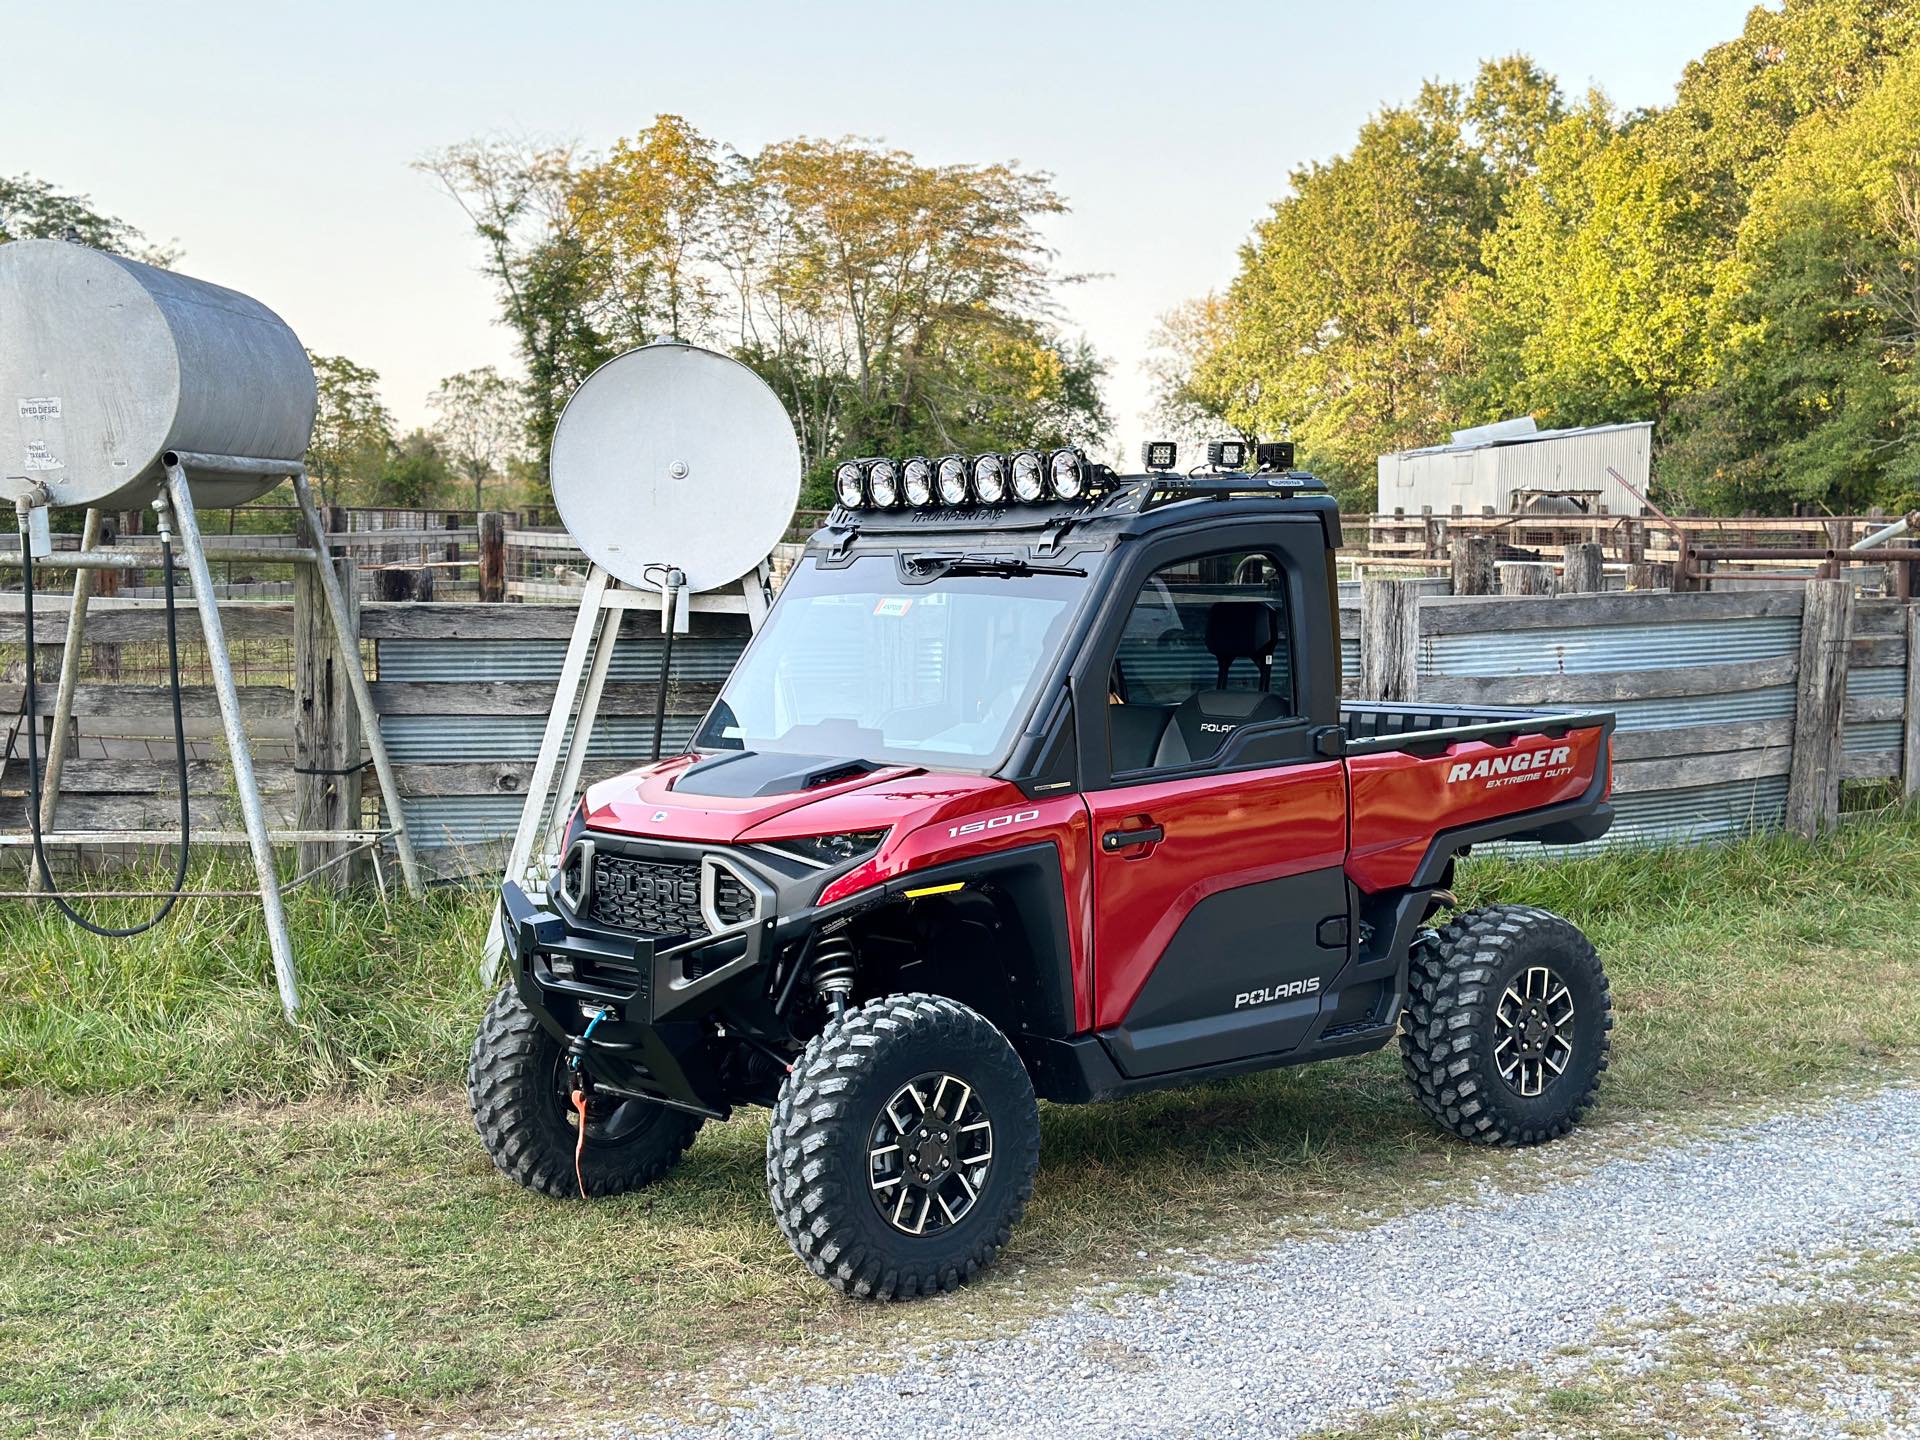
x=852, y=662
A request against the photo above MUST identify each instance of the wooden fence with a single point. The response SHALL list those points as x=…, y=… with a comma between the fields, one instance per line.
x=1737, y=710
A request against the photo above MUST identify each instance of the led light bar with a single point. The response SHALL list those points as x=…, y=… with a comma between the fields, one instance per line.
x=1027, y=477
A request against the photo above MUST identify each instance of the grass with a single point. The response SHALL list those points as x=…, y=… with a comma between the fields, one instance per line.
x=222, y=1225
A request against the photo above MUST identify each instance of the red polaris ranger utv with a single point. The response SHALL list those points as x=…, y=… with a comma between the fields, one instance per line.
x=1036, y=782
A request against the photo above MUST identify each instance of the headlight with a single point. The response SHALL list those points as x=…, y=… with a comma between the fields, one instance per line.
x=953, y=480
x=989, y=479
x=1068, y=473
x=917, y=476
x=1029, y=479
x=883, y=484
x=847, y=485
x=829, y=850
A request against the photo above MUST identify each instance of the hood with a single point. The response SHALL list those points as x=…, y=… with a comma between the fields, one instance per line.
x=668, y=802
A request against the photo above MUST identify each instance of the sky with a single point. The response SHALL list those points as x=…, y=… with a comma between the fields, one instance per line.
x=272, y=142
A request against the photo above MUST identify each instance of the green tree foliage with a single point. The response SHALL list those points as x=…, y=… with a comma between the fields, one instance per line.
x=352, y=429
x=1735, y=266
x=414, y=474
x=894, y=306
x=1336, y=328
x=32, y=209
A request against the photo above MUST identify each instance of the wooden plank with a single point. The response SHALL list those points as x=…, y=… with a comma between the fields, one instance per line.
x=490, y=777
x=1879, y=619
x=119, y=619
x=1635, y=777
x=146, y=812
x=1526, y=577
x=388, y=620
x=1813, y=785
x=94, y=776
x=1702, y=739
x=1607, y=686
x=1871, y=765
x=1466, y=614
x=1878, y=653
x=1389, y=638
x=147, y=702
x=526, y=697
x=1873, y=709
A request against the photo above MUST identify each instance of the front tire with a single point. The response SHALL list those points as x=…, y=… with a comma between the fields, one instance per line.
x=518, y=1084
x=903, y=1148
x=1505, y=1034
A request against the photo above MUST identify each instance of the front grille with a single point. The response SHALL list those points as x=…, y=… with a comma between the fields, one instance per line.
x=661, y=898
x=732, y=900
x=647, y=897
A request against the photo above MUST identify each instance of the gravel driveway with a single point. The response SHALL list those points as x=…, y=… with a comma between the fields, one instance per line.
x=1313, y=1329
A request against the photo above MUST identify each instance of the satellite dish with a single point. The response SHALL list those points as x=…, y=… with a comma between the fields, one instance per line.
x=673, y=455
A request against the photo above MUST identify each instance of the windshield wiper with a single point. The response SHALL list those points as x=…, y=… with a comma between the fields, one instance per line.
x=1008, y=566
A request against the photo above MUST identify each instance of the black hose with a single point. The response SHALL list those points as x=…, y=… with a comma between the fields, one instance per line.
x=33, y=757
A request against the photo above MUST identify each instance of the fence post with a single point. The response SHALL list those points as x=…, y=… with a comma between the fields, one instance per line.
x=493, y=557
x=1650, y=575
x=326, y=723
x=1910, y=747
x=1582, y=567
x=1813, y=780
x=1473, y=564
x=1528, y=578
x=1389, y=638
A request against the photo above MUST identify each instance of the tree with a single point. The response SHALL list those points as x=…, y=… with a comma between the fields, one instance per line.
x=893, y=306
x=352, y=429
x=413, y=475
x=646, y=215
x=1814, y=394
x=1192, y=401
x=517, y=199
x=32, y=209
x=481, y=425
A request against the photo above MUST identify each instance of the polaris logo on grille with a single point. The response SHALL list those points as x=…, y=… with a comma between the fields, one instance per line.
x=663, y=889
x=1291, y=990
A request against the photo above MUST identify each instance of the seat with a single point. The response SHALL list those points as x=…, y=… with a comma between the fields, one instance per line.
x=1133, y=734
x=1202, y=723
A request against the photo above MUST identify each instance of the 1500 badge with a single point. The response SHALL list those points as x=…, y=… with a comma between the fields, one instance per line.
x=998, y=822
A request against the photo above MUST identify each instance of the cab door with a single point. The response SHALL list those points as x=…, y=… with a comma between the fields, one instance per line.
x=1219, y=832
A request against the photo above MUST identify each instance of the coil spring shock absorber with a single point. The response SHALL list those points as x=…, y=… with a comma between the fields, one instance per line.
x=833, y=971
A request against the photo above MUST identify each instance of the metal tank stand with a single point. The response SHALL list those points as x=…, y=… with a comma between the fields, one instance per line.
x=596, y=629
x=180, y=517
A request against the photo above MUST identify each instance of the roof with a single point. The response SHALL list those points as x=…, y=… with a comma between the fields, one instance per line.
x=1486, y=437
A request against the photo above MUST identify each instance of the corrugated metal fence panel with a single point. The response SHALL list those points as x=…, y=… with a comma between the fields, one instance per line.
x=1583, y=649
x=1866, y=736
x=1689, y=813
x=478, y=823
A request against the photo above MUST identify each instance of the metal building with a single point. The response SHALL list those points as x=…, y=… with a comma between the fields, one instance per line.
x=1515, y=466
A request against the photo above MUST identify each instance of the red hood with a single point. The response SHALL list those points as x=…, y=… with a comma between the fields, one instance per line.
x=645, y=803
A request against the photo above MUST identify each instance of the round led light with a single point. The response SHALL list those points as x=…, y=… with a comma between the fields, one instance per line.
x=916, y=476
x=953, y=480
x=883, y=484
x=989, y=479
x=1069, y=474
x=1029, y=477
x=846, y=485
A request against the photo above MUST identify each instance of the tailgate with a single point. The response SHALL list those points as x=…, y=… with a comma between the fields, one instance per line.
x=1467, y=786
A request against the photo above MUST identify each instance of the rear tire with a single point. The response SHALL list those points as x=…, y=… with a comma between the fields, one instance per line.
x=903, y=1148
x=1505, y=1034
x=517, y=1085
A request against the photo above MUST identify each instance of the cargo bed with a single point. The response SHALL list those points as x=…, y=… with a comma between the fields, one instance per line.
x=1375, y=728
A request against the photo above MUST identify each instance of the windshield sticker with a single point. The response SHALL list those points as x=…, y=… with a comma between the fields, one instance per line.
x=893, y=605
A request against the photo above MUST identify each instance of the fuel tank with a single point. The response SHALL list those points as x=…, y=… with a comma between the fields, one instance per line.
x=107, y=364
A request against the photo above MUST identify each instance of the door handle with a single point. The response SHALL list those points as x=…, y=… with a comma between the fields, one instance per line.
x=1120, y=839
